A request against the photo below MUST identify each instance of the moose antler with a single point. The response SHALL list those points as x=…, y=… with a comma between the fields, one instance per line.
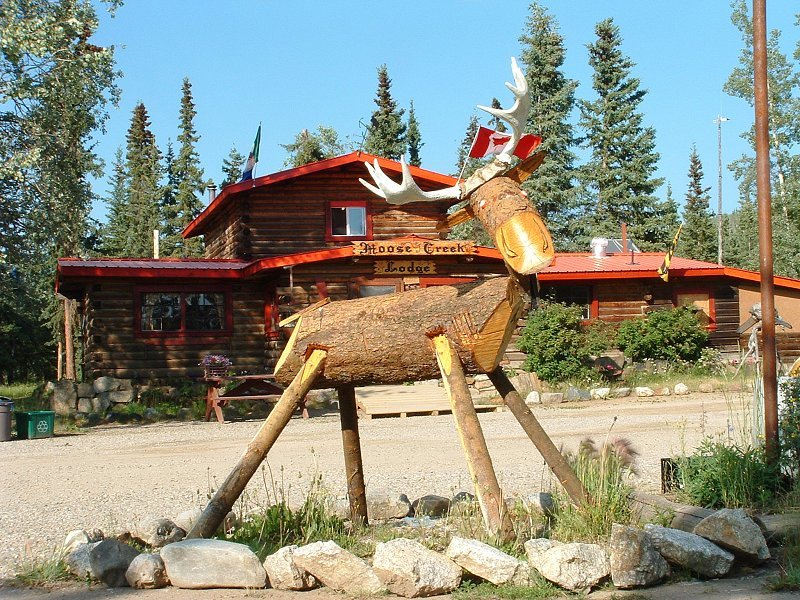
x=408, y=191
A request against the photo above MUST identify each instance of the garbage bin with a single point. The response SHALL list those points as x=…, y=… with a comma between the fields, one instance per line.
x=6, y=408
x=34, y=424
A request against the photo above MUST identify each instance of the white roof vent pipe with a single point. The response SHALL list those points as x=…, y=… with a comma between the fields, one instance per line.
x=599, y=245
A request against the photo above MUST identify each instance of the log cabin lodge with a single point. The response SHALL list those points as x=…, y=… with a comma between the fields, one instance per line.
x=281, y=242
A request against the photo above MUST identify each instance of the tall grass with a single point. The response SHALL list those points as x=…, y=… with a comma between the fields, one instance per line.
x=40, y=571
x=606, y=472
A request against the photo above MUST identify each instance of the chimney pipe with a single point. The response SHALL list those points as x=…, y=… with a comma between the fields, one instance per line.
x=599, y=245
x=212, y=192
x=624, y=237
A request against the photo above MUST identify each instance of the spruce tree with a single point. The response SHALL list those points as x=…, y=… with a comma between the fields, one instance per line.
x=311, y=147
x=497, y=123
x=619, y=175
x=189, y=181
x=232, y=167
x=169, y=205
x=114, y=232
x=413, y=138
x=551, y=187
x=699, y=235
x=142, y=164
x=386, y=135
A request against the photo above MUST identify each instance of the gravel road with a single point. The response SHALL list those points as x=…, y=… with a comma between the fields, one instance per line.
x=111, y=476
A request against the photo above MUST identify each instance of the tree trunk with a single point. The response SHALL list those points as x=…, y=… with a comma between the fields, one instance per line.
x=382, y=340
x=69, y=346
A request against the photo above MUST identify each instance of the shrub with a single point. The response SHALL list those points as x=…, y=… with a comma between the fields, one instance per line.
x=789, y=426
x=672, y=335
x=554, y=342
x=721, y=475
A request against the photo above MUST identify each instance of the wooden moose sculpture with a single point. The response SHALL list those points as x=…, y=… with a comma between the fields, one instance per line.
x=445, y=332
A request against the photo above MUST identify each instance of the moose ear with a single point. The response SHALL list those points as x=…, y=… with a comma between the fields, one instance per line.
x=527, y=167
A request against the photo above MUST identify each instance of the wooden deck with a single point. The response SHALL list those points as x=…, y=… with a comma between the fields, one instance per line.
x=424, y=398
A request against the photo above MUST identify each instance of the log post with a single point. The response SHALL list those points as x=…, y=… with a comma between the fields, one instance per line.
x=69, y=346
x=481, y=471
x=353, y=466
x=233, y=486
x=554, y=459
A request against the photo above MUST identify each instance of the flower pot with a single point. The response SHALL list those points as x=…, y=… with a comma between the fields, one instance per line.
x=216, y=371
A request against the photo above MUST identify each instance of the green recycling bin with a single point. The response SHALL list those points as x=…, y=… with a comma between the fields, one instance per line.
x=6, y=408
x=34, y=424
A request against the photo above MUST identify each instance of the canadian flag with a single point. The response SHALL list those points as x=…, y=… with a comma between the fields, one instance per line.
x=488, y=142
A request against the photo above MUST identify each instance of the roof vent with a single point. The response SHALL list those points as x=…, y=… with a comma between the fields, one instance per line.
x=599, y=245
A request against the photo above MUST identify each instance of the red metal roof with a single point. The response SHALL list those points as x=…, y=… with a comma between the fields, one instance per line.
x=197, y=226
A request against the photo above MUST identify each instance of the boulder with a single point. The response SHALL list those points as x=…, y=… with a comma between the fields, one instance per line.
x=147, y=572
x=690, y=551
x=382, y=506
x=338, y=569
x=487, y=562
x=644, y=392
x=463, y=497
x=600, y=393
x=201, y=564
x=706, y=388
x=576, y=394
x=533, y=398
x=186, y=519
x=85, y=390
x=78, y=562
x=409, y=569
x=284, y=574
x=573, y=566
x=635, y=562
x=110, y=384
x=157, y=532
x=664, y=391
x=552, y=397
x=65, y=397
x=109, y=561
x=620, y=392
x=77, y=537
x=538, y=501
x=85, y=405
x=430, y=506
x=681, y=389
x=116, y=397
x=736, y=532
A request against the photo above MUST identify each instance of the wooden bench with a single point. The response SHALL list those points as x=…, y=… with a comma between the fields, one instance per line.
x=249, y=387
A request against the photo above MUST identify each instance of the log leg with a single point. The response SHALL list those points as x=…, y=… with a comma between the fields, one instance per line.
x=353, y=466
x=554, y=459
x=233, y=486
x=212, y=402
x=479, y=462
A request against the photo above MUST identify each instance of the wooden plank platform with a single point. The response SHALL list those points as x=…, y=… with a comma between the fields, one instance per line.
x=424, y=398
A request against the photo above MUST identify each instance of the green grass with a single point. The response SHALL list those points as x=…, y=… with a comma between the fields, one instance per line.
x=538, y=588
x=42, y=571
x=789, y=565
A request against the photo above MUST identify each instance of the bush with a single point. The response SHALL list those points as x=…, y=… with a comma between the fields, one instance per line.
x=674, y=335
x=554, y=341
x=789, y=426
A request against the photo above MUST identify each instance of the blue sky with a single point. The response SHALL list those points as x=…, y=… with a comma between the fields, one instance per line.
x=296, y=65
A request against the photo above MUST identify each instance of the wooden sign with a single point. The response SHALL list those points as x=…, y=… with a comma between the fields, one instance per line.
x=413, y=248
x=405, y=267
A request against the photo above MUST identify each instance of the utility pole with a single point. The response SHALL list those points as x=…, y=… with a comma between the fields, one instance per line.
x=719, y=121
x=765, y=255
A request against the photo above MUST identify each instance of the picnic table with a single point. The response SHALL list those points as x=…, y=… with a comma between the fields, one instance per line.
x=247, y=387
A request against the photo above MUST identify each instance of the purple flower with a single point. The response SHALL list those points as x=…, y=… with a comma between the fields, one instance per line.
x=215, y=360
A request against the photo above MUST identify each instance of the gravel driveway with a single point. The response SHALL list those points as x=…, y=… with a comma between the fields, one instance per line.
x=110, y=476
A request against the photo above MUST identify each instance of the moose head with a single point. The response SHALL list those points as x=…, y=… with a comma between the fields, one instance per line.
x=493, y=193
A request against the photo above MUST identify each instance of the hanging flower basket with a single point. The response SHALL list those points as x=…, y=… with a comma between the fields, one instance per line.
x=216, y=365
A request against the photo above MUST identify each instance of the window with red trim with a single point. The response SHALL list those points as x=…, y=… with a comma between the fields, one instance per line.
x=348, y=220
x=177, y=312
x=571, y=295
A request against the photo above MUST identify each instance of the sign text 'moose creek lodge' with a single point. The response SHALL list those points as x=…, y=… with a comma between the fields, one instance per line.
x=413, y=248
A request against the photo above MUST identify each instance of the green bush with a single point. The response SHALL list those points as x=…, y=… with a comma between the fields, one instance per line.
x=553, y=340
x=674, y=335
x=789, y=426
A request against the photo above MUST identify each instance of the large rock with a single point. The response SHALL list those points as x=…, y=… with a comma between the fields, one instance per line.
x=487, y=562
x=576, y=394
x=65, y=397
x=533, y=397
x=575, y=566
x=338, y=569
x=600, y=393
x=157, y=532
x=690, y=551
x=431, y=506
x=735, y=531
x=644, y=392
x=110, y=384
x=109, y=561
x=552, y=397
x=116, y=397
x=147, y=572
x=200, y=564
x=681, y=389
x=382, y=506
x=284, y=574
x=409, y=569
x=635, y=562
x=77, y=537
x=187, y=518
x=78, y=561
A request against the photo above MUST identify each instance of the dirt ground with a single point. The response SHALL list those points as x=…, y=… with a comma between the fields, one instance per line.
x=112, y=476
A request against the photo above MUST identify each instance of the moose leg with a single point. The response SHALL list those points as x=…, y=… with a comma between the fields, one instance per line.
x=479, y=462
x=354, y=468
x=554, y=459
x=233, y=486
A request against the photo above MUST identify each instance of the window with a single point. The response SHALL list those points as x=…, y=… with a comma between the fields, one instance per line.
x=348, y=220
x=175, y=313
x=577, y=295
